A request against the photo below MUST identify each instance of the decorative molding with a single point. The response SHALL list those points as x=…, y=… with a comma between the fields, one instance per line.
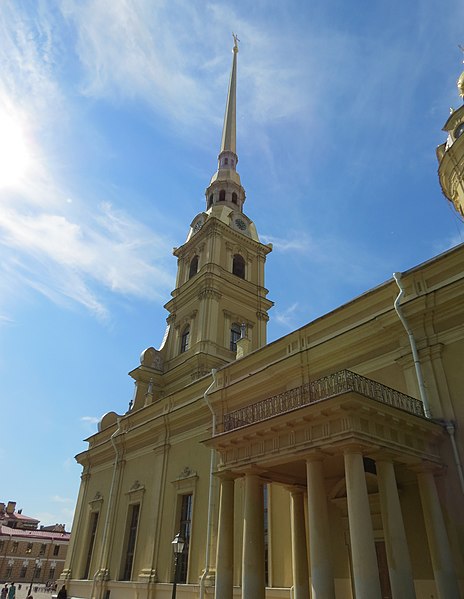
x=152, y=358
x=187, y=472
x=209, y=293
x=96, y=500
x=136, y=486
x=136, y=492
x=262, y=315
x=187, y=480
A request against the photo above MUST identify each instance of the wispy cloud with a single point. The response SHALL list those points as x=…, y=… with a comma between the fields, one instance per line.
x=449, y=242
x=296, y=243
x=90, y=419
x=59, y=499
x=286, y=317
x=155, y=53
x=5, y=320
x=63, y=515
x=74, y=251
x=64, y=258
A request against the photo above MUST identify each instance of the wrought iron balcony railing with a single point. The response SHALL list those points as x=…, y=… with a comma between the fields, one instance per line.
x=324, y=388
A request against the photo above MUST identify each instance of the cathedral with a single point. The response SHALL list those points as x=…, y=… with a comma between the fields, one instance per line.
x=327, y=464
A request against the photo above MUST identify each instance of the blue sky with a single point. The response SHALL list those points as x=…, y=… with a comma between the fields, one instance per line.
x=110, y=123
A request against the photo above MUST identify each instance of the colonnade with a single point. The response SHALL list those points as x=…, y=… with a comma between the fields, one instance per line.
x=317, y=581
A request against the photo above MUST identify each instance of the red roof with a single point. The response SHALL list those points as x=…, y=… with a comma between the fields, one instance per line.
x=30, y=534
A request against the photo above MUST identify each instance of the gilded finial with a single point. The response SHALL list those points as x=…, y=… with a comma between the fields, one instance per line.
x=460, y=81
x=235, y=48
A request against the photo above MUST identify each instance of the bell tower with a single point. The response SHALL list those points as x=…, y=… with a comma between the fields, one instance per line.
x=450, y=155
x=220, y=294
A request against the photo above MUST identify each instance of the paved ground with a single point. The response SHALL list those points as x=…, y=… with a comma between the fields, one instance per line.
x=38, y=591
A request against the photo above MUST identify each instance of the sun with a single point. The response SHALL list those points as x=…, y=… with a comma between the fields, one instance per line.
x=15, y=153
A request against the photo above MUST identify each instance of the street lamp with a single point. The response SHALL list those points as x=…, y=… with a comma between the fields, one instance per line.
x=177, y=547
x=38, y=565
x=10, y=567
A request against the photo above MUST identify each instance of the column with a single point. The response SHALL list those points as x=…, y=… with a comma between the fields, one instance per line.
x=440, y=552
x=74, y=555
x=253, y=579
x=399, y=563
x=299, y=549
x=365, y=569
x=322, y=580
x=225, y=541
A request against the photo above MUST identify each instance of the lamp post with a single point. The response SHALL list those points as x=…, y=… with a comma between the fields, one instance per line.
x=38, y=565
x=177, y=547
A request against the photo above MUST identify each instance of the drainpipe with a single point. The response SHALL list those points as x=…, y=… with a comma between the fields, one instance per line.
x=110, y=506
x=210, y=495
x=412, y=342
x=448, y=425
x=450, y=429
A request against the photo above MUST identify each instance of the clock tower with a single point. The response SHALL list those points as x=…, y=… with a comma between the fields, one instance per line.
x=220, y=294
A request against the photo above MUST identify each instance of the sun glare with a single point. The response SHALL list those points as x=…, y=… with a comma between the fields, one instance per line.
x=15, y=155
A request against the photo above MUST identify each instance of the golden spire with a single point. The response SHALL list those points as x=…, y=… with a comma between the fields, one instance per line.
x=228, y=142
x=225, y=187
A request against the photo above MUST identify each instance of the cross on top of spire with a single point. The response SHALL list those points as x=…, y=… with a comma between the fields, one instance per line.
x=235, y=48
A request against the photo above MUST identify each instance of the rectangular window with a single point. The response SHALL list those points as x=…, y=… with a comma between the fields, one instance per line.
x=2, y=543
x=29, y=548
x=185, y=527
x=235, y=334
x=91, y=542
x=22, y=572
x=14, y=549
x=184, y=341
x=43, y=546
x=56, y=550
x=8, y=572
x=133, y=520
x=51, y=574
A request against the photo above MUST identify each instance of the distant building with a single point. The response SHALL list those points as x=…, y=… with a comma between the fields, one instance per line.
x=327, y=463
x=28, y=553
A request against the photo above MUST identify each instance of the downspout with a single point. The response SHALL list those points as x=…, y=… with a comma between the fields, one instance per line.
x=210, y=495
x=448, y=425
x=110, y=505
x=450, y=429
x=412, y=342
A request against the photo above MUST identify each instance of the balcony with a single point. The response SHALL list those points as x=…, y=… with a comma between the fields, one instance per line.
x=322, y=389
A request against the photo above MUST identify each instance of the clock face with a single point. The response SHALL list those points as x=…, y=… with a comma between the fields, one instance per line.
x=240, y=224
x=459, y=130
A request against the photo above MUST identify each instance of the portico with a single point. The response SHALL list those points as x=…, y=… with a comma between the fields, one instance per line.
x=342, y=428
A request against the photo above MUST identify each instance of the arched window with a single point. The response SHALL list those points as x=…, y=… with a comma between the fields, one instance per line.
x=234, y=198
x=193, y=267
x=235, y=334
x=222, y=195
x=184, y=341
x=210, y=201
x=238, y=266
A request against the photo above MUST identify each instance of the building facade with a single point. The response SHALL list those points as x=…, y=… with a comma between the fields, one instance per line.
x=326, y=464
x=27, y=553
